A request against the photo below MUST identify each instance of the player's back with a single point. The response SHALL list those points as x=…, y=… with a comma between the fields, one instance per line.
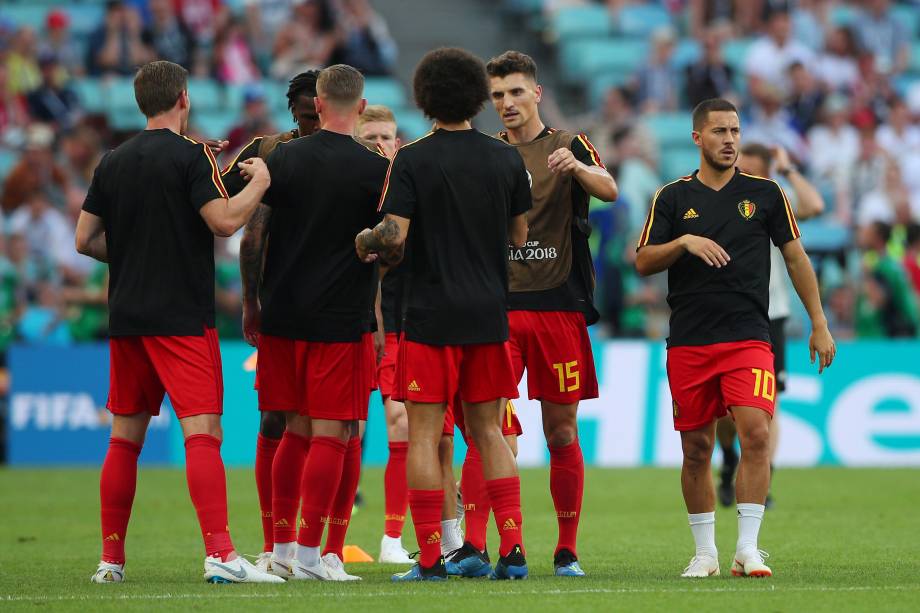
x=467, y=186
x=324, y=190
x=161, y=253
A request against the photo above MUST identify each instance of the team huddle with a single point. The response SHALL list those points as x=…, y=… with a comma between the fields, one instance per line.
x=437, y=272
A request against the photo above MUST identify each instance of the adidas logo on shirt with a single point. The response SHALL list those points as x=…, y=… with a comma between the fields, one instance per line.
x=691, y=214
x=413, y=386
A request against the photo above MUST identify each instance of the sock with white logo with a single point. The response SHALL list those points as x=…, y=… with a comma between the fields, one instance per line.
x=451, y=539
x=750, y=516
x=284, y=551
x=308, y=556
x=703, y=527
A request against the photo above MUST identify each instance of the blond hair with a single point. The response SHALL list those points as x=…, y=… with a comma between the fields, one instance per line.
x=374, y=113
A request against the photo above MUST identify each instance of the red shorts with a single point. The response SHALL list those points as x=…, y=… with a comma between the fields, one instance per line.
x=188, y=368
x=433, y=373
x=386, y=370
x=319, y=380
x=370, y=354
x=707, y=380
x=510, y=424
x=555, y=349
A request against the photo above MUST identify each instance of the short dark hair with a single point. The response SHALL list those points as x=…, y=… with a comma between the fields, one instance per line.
x=341, y=84
x=704, y=108
x=882, y=230
x=303, y=84
x=450, y=85
x=512, y=62
x=158, y=85
x=758, y=150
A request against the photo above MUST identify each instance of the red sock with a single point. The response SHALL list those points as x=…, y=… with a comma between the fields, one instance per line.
x=321, y=476
x=116, y=493
x=287, y=476
x=395, y=490
x=505, y=495
x=567, y=485
x=426, y=515
x=207, y=485
x=344, y=502
x=265, y=455
x=475, y=499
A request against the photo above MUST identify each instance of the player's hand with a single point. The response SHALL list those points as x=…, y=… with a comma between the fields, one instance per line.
x=821, y=343
x=252, y=323
x=364, y=254
x=216, y=145
x=707, y=250
x=562, y=161
x=380, y=343
x=254, y=168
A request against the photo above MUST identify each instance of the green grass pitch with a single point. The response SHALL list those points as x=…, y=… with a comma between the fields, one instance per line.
x=840, y=539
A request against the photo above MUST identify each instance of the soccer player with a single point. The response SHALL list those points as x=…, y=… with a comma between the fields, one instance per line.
x=806, y=202
x=711, y=231
x=310, y=317
x=377, y=126
x=465, y=195
x=300, y=94
x=552, y=282
x=151, y=212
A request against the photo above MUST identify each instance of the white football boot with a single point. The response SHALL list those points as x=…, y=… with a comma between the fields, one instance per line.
x=238, y=570
x=264, y=561
x=109, y=573
x=751, y=564
x=701, y=567
x=336, y=568
x=393, y=552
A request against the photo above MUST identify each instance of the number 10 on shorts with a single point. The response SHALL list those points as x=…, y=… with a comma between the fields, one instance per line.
x=569, y=379
x=764, y=383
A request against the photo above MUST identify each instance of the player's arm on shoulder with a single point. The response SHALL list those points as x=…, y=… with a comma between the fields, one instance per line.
x=385, y=242
x=90, y=236
x=820, y=341
x=582, y=161
x=224, y=215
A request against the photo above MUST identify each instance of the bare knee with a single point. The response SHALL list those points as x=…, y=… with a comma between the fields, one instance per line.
x=697, y=451
x=755, y=441
x=298, y=424
x=560, y=425
x=446, y=451
x=397, y=421
x=202, y=424
x=562, y=435
x=272, y=424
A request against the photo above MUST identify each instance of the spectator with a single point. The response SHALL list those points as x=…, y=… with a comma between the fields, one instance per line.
x=232, y=61
x=805, y=98
x=14, y=114
x=890, y=202
x=29, y=271
x=710, y=77
x=35, y=171
x=265, y=19
x=201, y=17
x=305, y=42
x=810, y=22
x=742, y=14
x=772, y=125
x=912, y=257
x=836, y=67
x=23, y=74
x=87, y=305
x=12, y=301
x=880, y=33
x=366, y=42
x=636, y=178
x=900, y=139
x=872, y=91
x=53, y=102
x=619, y=112
x=116, y=47
x=44, y=321
x=834, y=146
x=58, y=42
x=867, y=173
x=770, y=56
x=47, y=232
x=81, y=150
x=169, y=37
x=885, y=307
x=656, y=82
x=256, y=120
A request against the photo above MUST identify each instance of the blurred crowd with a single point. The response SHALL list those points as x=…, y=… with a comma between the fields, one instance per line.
x=50, y=143
x=832, y=83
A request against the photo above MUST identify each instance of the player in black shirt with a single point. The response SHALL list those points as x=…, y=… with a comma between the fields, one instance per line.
x=711, y=231
x=300, y=94
x=315, y=352
x=466, y=195
x=151, y=212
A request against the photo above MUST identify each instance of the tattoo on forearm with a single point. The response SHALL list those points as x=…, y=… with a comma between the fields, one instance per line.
x=252, y=251
x=384, y=240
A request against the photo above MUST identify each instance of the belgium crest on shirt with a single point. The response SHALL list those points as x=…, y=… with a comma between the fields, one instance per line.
x=747, y=208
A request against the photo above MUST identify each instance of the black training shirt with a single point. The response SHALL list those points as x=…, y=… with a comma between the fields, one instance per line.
x=148, y=193
x=460, y=189
x=324, y=190
x=716, y=305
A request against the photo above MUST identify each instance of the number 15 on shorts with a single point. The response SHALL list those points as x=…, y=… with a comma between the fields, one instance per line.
x=569, y=378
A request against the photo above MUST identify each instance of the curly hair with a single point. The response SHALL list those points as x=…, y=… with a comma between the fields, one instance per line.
x=512, y=62
x=303, y=84
x=450, y=85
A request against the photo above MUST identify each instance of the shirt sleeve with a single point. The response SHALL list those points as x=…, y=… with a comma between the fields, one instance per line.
x=399, y=196
x=585, y=152
x=205, y=183
x=231, y=176
x=659, y=226
x=521, y=198
x=781, y=222
x=95, y=202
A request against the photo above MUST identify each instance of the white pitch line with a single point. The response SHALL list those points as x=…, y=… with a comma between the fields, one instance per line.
x=465, y=593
